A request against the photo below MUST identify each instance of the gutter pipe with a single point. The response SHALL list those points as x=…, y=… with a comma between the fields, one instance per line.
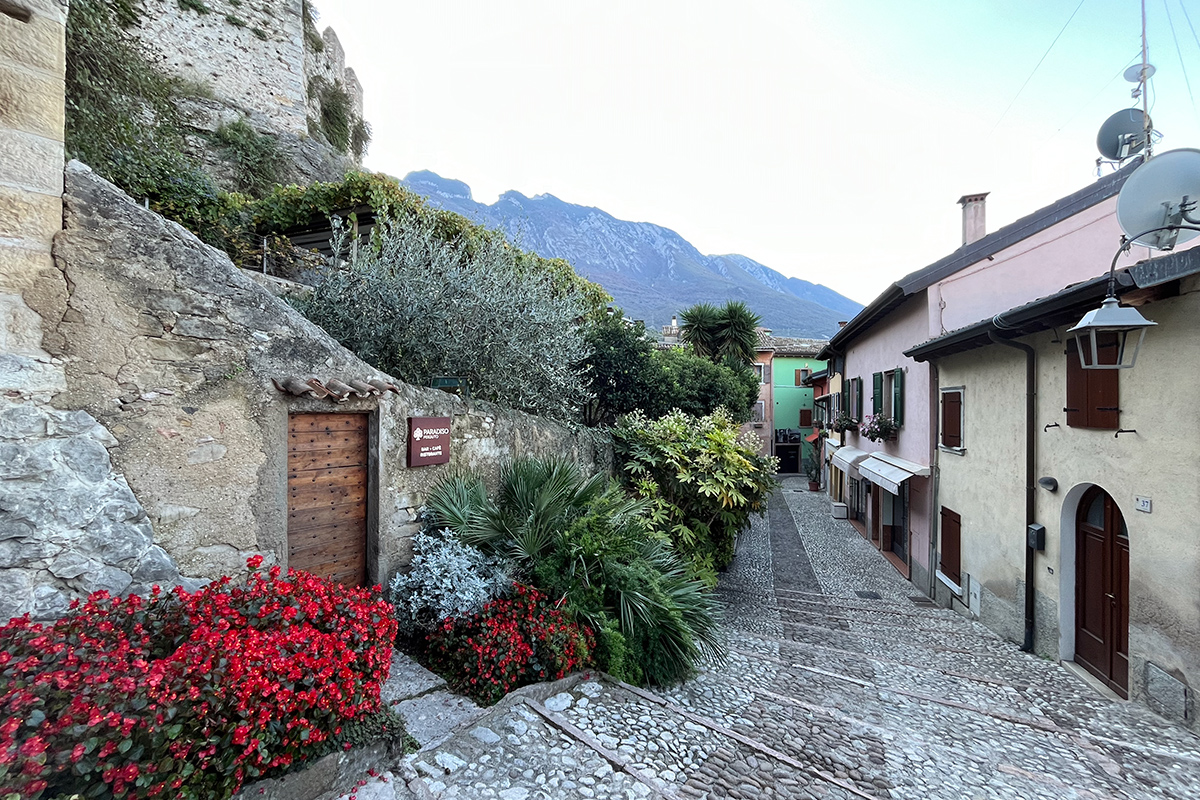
x=1030, y=481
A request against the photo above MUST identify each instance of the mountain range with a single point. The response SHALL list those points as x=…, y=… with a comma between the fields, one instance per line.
x=651, y=271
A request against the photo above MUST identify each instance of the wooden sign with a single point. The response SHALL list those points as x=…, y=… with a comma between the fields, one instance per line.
x=428, y=441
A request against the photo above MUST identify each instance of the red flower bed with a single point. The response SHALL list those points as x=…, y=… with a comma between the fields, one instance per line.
x=511, y=642
x=187, y=695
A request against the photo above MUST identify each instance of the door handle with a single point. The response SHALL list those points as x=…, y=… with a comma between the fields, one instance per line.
x=1110, y=596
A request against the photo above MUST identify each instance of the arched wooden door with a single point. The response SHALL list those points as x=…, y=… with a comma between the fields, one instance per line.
x=1102, y=590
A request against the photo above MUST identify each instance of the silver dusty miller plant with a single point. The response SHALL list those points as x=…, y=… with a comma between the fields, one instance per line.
x=447, y=579
x=418, y=306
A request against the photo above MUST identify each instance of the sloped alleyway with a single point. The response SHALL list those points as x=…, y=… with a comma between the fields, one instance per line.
x=826, y=694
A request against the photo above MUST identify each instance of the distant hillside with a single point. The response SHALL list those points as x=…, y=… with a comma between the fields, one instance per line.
x=652, y=272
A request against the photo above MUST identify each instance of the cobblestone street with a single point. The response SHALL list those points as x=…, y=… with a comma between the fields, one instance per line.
x=826, y=694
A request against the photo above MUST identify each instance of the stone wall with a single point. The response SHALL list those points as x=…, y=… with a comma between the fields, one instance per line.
x=69, y=524
x=252, y=53
x=173, y=350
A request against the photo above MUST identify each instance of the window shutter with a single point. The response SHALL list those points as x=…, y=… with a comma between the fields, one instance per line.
x=898, y=396
x=951, y=550
x=877, y=396
x=1104, y=388
x=858, y=398
x=806, y=418
x=799, y=378
x=766, y=373
x=1077, y=401
x=952, y=419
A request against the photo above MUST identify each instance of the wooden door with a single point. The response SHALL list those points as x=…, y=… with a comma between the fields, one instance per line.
x=327, y=495
x=1102, y=590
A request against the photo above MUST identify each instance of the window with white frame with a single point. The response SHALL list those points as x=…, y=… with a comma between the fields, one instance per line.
x=760, y=372
x=759, y=411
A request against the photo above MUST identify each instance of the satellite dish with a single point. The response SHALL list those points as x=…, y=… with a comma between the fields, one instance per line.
x=1134, y=73
x=1153, y=197
x=1122, y=135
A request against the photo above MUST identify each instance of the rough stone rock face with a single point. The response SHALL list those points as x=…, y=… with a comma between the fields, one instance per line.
x=69, y=525
x=173, y=350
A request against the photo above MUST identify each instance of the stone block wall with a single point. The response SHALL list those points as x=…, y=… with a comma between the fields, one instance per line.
x=69, y=525
x=252, y=54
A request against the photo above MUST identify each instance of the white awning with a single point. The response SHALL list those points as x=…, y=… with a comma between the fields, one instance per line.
x=831, y=447
x=889, y=471
x=847, y=458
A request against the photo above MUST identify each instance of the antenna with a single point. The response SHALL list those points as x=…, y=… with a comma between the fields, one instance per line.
x=1161, y=192
x=1123, y=134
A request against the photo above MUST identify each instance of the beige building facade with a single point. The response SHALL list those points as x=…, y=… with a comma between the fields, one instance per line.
x=1112, y=588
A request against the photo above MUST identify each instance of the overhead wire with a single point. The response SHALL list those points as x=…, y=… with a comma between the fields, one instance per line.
x=1178, y=51
x=1136, y=58
x=1188, y=17
x=1035, y=67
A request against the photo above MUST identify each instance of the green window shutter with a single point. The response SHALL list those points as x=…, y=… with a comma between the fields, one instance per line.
x=898, y=396
x=877, y=397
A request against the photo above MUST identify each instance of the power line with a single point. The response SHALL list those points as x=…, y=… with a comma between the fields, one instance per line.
x=1035, y=68
x=1179, y=52
x=1188, y=17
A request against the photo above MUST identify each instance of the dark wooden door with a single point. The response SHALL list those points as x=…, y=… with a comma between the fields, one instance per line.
x=327, y=495
x=789, y=457
x=1102, y=591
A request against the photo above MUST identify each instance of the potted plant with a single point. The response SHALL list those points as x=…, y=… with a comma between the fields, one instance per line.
x=879, y=427
x=812, y=468
x=843, y=422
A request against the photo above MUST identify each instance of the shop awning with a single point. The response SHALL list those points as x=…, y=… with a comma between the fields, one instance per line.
x=847, y=458
x=889, y=471
x=812, y=437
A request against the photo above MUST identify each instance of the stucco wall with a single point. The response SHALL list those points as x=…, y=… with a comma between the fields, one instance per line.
x=173, y=349
x=880, y=349
x=986, y=487
x=1075, y=249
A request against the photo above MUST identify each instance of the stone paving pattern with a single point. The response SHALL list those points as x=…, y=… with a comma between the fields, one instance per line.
x=825, y=694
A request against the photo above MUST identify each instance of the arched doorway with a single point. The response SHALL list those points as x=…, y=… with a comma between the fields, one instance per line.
x=1102, y=590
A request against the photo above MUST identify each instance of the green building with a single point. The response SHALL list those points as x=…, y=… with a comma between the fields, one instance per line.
x=792, y=407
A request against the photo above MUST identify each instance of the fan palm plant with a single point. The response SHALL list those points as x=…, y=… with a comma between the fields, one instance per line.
x=700, y=327
x=583, y=540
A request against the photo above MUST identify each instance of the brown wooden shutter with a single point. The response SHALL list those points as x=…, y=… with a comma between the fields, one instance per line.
x=806, y=418
x=951, y=550
x=1104, y=388
x=952, y=419
x=1093, y=395
x=799, y=378
x=1077, y=399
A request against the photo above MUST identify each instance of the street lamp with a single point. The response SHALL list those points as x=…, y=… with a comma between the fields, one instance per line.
x=1103, y=336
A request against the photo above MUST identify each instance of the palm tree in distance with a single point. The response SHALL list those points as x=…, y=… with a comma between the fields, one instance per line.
x=699, y=329
x=730, y=331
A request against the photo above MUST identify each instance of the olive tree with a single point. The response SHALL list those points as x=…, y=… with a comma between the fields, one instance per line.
x=416, y=306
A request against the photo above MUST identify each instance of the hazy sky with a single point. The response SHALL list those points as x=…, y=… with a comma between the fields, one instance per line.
x=828, y=140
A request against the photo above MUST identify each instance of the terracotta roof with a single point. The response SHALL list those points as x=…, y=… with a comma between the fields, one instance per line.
x=334, y=389
x=794, y=346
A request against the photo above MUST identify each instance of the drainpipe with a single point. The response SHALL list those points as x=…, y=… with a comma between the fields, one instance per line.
x=935, y=380
x=1030, y=481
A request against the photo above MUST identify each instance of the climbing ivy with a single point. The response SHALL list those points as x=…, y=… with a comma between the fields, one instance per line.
x=257, y=159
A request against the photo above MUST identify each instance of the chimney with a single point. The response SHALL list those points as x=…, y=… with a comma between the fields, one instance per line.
x=674, y=321
x=974, y=220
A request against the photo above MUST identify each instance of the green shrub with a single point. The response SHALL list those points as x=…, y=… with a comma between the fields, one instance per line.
x=583, y=541
x=626, y=374
x=698, y=387
x=257, y=159
x=416, y=306
x=702, y=479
